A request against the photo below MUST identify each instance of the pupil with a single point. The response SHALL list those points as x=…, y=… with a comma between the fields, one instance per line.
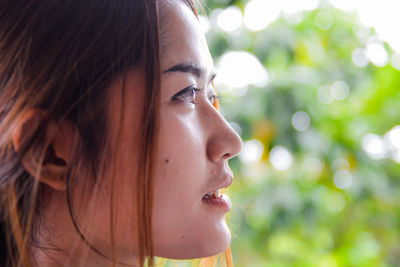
x=193, y=95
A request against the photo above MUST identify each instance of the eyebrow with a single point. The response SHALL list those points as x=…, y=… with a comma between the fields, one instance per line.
x=189, y=67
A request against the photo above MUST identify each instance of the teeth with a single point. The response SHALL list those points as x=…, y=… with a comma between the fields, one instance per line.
x=210, y=195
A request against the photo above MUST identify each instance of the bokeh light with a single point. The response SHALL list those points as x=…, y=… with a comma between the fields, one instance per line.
x=395, y=61
x=238, y=69
x=281, y=158
x=377, y=54
x=359, y=57
x=301, y=121
x=374, y=146
x=340, y=90
x=251, y=152
x=230, y=19
x=392, y=137
x=342, y=179
x=258, y=14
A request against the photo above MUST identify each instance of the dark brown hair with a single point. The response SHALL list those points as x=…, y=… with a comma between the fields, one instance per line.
x=61, y=56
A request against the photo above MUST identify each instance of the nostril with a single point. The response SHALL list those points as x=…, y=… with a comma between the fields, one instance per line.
x=227, y=156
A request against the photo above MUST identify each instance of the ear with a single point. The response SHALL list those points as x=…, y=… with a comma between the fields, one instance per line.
x=51, y=167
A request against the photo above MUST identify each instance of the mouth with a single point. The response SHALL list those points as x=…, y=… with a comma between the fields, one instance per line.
x=212, y=195
x=218, y=200
x=216, y=193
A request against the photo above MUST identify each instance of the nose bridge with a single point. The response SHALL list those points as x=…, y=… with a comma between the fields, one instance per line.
x=223, y=142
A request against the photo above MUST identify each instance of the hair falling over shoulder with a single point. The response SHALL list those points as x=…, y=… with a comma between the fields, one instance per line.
x=60, y=57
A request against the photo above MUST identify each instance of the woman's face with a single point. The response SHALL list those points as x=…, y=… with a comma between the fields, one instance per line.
x=195, y=143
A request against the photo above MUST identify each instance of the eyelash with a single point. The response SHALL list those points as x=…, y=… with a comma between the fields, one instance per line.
x=180, y=96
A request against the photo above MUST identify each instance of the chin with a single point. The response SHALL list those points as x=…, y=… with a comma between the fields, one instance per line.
x=217, y=242
x=217, y=247
x=214, y=245
x=199, y=248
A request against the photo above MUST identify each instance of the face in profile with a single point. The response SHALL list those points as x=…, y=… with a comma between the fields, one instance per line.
x=195, y=145
x=191, y=163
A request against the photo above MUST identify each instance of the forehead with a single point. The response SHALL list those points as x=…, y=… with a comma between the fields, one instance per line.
x=182, y=38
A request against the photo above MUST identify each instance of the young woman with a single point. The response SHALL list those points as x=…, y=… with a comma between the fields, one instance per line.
x=112, y=149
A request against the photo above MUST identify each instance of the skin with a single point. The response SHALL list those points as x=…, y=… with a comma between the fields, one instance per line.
x=195, y=143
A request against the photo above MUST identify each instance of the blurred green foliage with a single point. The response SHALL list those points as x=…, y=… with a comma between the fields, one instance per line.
x=301, y=215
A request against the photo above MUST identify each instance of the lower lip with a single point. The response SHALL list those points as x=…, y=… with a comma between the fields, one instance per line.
x=222, y=202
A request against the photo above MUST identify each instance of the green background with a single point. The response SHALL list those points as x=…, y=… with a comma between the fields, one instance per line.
x=300, y=216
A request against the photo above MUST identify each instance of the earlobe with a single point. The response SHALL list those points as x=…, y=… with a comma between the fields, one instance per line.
x=47, y=162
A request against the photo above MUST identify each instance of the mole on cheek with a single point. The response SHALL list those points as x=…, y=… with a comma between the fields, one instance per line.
x=167, y=161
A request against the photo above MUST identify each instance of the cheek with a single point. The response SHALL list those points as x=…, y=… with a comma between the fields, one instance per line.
x=180, y=171
x=182, y=146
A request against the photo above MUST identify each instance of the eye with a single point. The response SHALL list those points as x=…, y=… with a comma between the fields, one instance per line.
x=187, y=95
x=213, y=99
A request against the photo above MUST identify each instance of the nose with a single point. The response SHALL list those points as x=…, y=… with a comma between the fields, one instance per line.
x=223, y=142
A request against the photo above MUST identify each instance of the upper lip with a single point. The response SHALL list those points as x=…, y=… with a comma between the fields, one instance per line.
x=225, y=182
